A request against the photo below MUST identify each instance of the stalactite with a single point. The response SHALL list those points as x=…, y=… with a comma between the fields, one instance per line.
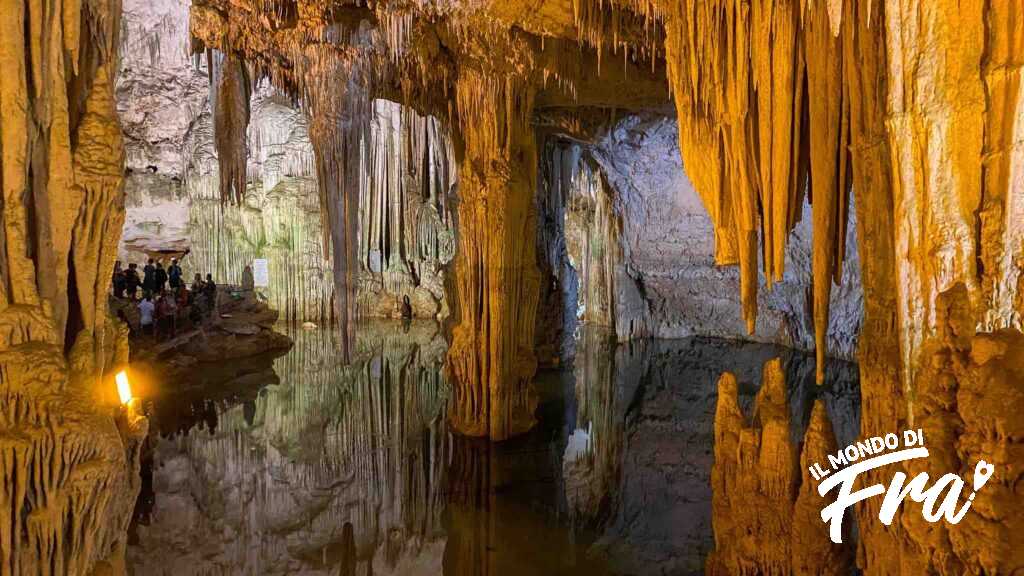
x=231, y=120
x=828, y=136
x=338, y=125
x=497, y=280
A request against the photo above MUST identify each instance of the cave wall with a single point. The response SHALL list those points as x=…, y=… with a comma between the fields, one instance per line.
x=173, y=188
x=642, y=246
x=70, y=453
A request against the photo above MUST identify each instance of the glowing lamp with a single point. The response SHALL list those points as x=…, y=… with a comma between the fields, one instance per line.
x=124, y=390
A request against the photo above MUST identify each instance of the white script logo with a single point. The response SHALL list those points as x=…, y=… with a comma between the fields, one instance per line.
x=851, y=461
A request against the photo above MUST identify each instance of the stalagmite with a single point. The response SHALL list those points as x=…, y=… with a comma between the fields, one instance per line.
x=766, y=511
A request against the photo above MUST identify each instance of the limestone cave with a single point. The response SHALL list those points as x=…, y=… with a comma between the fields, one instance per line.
x=512, y=287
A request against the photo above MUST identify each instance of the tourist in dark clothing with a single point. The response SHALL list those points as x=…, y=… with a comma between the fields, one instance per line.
x=174, y=275
x=148, y=285
x=131, y=280
x=210, y=291
x=160, y=278
x=406, y=308
x=118, y=280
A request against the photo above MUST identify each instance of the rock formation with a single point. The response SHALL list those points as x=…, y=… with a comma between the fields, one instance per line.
x=70, y=453
x=173, y=197
x=643, y=247
x=765, y=506
x=911, y=107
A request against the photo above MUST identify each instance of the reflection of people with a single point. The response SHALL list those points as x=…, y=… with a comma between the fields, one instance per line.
x=248, y=282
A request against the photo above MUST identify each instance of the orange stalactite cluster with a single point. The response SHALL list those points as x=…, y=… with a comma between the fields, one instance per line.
x=759, y=93
x=231, y=120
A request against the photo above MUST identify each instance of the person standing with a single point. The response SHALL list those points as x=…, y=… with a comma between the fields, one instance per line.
x=147, y=277
x=131, y=280
x=160, y=278
x=146, y=310
x=168, y=309
x=210, y=291
x=174, y=275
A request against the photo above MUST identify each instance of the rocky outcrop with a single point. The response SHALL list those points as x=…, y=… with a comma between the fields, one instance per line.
x=241, y=327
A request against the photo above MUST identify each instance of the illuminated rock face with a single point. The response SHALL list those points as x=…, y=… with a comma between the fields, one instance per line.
x=70, y=454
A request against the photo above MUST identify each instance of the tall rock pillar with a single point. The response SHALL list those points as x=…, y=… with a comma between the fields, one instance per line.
x=497, y=282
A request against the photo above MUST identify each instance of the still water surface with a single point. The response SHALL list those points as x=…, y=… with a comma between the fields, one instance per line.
x=318, y=467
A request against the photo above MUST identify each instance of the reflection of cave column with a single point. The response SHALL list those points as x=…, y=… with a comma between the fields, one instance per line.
x=593, y=456
x=492, y=356
x=469, y=513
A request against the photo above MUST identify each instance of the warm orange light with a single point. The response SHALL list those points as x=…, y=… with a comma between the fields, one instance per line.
x=123, y=389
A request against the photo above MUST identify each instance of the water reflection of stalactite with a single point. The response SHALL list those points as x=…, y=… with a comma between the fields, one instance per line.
x=339, y=469
x=593, y=456
x=764, y=507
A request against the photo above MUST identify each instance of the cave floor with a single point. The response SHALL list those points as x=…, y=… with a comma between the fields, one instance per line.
x=349, y=469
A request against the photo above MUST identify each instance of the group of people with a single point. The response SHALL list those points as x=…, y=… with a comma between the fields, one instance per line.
x=165, y=296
